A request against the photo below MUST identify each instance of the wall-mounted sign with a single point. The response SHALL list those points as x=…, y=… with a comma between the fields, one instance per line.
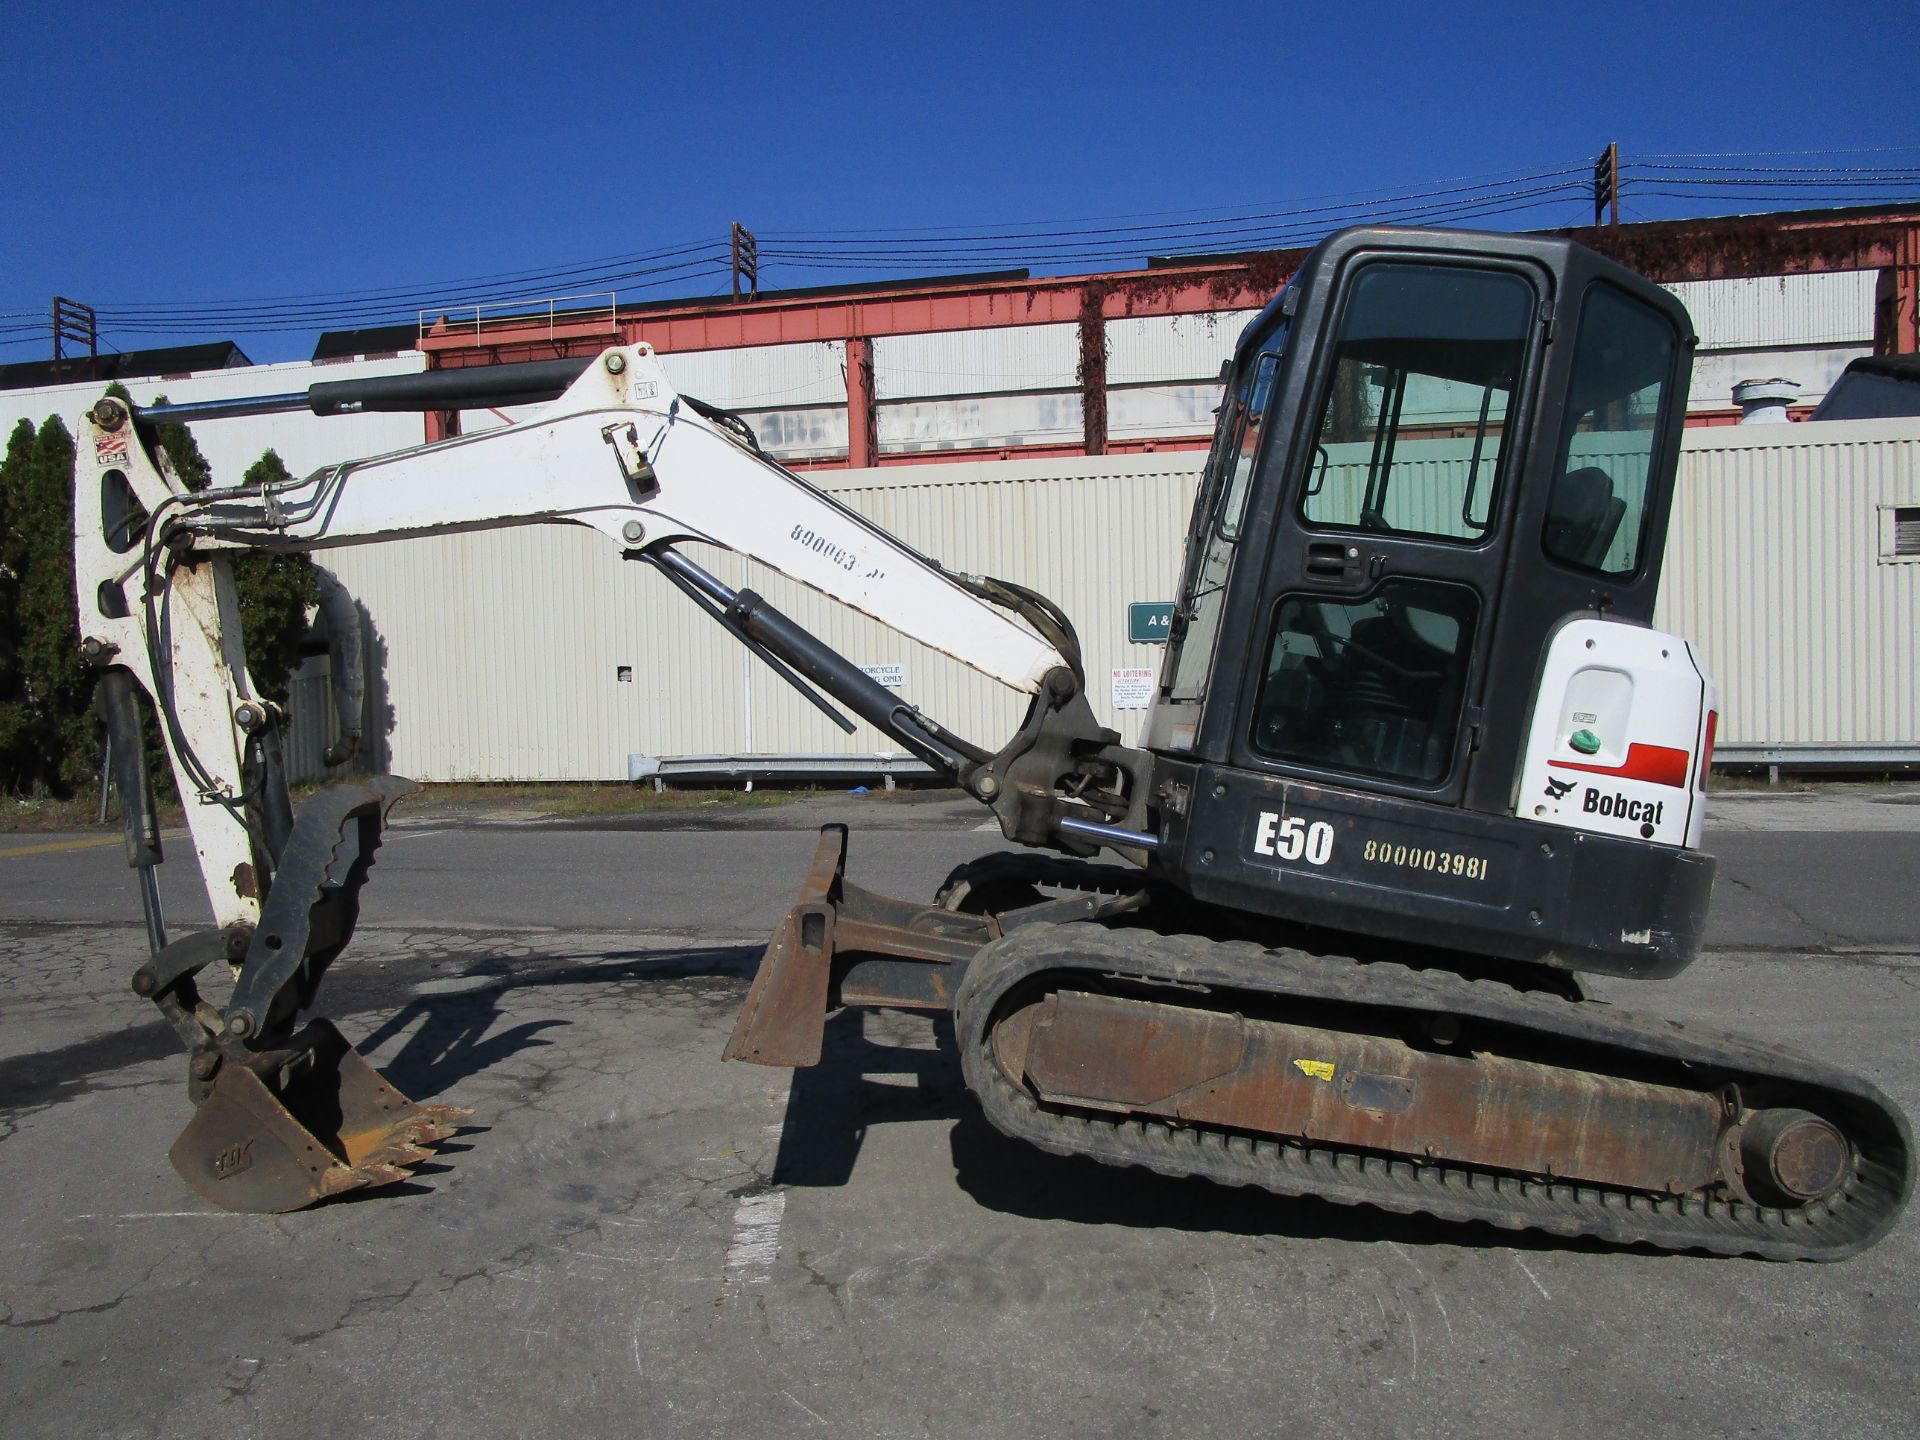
x=1148, y=622
x=1133, y=687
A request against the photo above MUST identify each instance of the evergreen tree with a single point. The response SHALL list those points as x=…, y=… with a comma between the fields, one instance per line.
x=14, y=740
x=176, y=442
x=48, y=736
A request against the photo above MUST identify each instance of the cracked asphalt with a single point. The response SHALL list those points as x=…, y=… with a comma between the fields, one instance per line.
x=632, y=1237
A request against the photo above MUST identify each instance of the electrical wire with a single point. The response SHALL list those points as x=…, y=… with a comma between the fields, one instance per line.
x=1848, y=176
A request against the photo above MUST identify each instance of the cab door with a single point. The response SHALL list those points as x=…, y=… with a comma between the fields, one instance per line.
x=1390, y=530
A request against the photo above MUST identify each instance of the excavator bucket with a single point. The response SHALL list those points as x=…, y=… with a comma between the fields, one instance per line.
x=291, y=1127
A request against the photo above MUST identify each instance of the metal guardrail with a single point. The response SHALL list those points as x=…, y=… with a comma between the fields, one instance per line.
x=662, y=768
x=524, y=315
x=1820, y=757
x=1803, y=759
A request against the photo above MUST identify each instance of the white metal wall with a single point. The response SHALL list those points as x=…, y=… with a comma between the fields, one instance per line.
x=305, y=442
x=1833, y=307
x=977, y=389
x=1774, y=571
x=1163, y=372
x=500, y=654
x=503, y=651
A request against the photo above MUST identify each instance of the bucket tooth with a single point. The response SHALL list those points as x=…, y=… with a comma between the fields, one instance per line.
x=344, y=1180
x=398, y=1152
x=425, y=1132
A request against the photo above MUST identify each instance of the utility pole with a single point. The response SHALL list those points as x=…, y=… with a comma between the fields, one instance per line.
x=1606, y=183
x=746, y=261
x=74, y=321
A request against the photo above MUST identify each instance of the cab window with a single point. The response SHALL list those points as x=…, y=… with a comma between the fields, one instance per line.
x=1622, y=373
x=1369, y=686
x=1219, y=509
x=1412, y=424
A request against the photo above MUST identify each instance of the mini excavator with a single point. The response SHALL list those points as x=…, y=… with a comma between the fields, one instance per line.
x=1417, y=762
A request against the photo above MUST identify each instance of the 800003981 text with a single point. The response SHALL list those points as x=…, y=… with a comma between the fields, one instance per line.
x=1424, y=857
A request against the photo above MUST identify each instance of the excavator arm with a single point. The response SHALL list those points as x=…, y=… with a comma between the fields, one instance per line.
x=614, y=448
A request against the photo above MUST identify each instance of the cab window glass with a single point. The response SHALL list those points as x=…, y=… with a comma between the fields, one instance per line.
x=1622, y=370
x=1218, y=511
x=1245, y=448
x=1371, y=686
x=1412, y=426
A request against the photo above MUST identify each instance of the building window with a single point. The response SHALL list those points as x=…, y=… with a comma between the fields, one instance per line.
x=1900, y=532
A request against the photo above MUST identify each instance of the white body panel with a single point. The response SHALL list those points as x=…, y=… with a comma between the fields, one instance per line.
x=619, y=453
x=570, y=462
x=205, y=669
x=1618, y=740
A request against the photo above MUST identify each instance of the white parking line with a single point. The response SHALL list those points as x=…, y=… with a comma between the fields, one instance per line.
x=756, y=1238
x=756, y=1225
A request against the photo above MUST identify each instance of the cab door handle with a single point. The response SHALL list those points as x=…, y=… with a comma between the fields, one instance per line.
x=1331, y=560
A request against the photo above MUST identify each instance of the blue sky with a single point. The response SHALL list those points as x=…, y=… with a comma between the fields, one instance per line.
x=220, y=152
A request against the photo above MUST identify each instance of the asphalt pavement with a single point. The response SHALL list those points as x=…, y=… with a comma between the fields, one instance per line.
x=633, y=1237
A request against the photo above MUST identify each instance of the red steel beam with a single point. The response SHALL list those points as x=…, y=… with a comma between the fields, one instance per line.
x=709, y=325
x=1664, y=250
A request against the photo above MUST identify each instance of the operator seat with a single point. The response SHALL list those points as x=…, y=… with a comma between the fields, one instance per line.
x=1583, y=517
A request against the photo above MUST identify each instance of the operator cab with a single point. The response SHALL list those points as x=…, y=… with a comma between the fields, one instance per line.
x=1435, y=452
x=1434, y=448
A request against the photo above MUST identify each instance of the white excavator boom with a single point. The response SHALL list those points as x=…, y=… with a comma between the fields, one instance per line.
x=620, y=451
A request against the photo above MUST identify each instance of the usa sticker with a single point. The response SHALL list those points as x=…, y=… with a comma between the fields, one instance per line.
x=110, y=451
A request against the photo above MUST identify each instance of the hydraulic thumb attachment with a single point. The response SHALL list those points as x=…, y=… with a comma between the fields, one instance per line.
x=284, y=1118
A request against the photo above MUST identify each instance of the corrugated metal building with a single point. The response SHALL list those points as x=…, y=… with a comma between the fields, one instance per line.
x=539, y=654
x=505, y=652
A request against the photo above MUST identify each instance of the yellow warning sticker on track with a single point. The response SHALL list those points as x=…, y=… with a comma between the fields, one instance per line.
x=1315, y=1069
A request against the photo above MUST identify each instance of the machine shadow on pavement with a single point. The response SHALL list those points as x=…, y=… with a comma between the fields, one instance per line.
x=455, y=1037
x=453, y=1040
x=831, y=1105
x=39, y=1078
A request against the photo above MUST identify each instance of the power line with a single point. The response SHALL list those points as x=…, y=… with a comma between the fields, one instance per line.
x=979, y=233
x=1082, y=241
x=425, y=300
x=437, y=287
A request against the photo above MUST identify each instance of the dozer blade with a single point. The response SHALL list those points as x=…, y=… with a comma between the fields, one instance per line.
x=785, y=1012
x=287, y=1128
x=841, y=945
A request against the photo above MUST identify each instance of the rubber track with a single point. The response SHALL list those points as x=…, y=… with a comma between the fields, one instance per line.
x=1844, y=1224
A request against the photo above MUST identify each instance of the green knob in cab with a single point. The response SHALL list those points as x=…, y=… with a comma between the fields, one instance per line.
x=1585, y=741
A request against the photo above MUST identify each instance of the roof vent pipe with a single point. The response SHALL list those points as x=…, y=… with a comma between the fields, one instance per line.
x=1765, y=402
